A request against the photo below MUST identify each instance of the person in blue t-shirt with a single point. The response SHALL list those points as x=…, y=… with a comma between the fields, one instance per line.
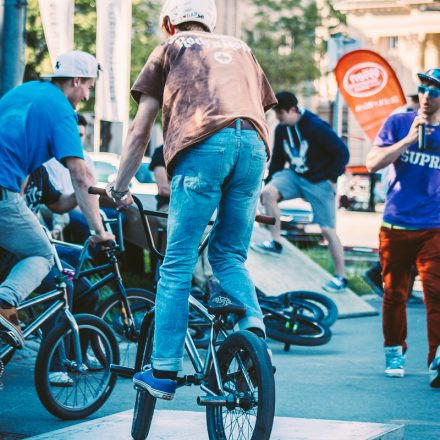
x=410, y=233
x=38, y=122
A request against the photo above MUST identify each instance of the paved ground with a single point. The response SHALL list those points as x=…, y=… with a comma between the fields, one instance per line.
x=359, y=228
x=341, y=381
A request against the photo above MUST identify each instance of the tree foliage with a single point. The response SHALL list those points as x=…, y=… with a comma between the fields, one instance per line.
x=285, y=40
x=145, y=15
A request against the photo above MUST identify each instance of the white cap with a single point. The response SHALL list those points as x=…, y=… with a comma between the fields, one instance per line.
x=75, y=64
x=182, y=11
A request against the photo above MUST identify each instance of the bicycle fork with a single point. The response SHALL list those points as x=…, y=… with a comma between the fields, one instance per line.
x=76, y=340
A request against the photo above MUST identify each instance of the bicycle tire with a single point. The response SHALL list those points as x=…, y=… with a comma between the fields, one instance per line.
x=86, y=324
x=140, y=301
x=304, y=308
x=328, y=306
x=145, y=402
x=260, y=373
x=305, y=331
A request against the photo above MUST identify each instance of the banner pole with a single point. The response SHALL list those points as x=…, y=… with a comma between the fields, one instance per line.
x=14, y=36
x=337, y=110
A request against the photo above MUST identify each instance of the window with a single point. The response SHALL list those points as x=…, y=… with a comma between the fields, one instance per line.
x=393, y=42
x=105, y=171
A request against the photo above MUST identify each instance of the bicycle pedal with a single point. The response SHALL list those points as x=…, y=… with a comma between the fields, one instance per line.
x=187, y=380
x=139, y=388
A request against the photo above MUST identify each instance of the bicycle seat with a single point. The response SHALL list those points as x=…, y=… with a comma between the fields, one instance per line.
x=221, y=303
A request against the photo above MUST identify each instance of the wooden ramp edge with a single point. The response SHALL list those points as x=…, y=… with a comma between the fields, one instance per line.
x=186, y=425
x=293, y=270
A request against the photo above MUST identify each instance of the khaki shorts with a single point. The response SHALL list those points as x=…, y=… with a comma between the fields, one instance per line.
x=321, y=195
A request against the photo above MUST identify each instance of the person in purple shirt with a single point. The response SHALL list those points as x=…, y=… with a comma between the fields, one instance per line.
x=410, y=232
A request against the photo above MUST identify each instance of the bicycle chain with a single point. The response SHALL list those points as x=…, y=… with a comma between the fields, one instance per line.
x=2, y=370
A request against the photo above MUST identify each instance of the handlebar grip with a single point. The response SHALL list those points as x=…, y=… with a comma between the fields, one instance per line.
x=97, y=191
x=265, y=219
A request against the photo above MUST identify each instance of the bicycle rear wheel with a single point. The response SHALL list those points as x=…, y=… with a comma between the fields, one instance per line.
x=249, y=387
x=302, y=331
x=327, y=305
x=87, y=389
x=145, y=402
x=112, y=312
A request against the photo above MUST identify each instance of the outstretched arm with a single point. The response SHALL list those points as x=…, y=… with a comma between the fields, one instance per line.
x=135, y=145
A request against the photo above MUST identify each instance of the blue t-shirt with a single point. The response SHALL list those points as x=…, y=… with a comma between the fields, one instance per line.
x=37, y=122
x=413, y=197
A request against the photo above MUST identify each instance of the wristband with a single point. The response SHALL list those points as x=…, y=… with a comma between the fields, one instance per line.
x=118, y=196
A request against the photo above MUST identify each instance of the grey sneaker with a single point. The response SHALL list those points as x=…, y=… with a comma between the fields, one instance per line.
x=336, y=285
x=434, y=371
x=394, y=361
x=268, y=247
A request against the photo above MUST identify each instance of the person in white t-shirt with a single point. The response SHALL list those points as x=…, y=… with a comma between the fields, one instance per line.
x=60, y=178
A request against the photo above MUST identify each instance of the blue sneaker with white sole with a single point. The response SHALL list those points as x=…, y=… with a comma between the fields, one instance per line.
x=159, y=388
x=394, y=361
x=434, y=371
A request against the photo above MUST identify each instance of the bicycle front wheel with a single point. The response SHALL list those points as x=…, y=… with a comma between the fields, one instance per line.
x=145, y=402
x=249, y=388
x=70, y=390
x=112, y=311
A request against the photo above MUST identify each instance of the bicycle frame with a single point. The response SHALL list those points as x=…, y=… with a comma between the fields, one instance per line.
x=201, y=368
x=114, y=273
x=59, y=296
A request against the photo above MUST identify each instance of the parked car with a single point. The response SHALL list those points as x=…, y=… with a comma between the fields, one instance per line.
x=297, y=222
x=142, y=184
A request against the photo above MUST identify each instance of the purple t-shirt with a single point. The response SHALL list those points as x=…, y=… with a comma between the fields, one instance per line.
x=413, y=197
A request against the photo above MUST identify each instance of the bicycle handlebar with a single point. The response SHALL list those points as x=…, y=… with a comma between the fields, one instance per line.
x=101, y=192
x=97, y=191
x=146, y=223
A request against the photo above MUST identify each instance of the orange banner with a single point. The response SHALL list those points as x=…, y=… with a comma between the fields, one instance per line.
x=370, y=88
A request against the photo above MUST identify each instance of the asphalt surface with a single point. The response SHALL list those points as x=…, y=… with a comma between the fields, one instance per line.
x=342, y=380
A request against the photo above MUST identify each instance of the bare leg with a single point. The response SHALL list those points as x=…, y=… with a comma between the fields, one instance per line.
x=336, y=250
x=269, y=198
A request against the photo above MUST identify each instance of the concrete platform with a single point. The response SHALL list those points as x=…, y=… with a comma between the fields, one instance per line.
x=185, y=425
x=293, y=270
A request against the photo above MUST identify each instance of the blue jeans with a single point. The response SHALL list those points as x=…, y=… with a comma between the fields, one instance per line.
x=224, y=172
x=21, y=234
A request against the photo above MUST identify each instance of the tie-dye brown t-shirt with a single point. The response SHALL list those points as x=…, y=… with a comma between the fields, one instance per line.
x=204, y=82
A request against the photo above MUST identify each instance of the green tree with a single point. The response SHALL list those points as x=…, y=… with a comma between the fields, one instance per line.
x=145, y=15
x=285, y=40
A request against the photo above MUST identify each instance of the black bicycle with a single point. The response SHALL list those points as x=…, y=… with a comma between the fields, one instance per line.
x=66, y=349
x=236, y=373
x=123, y=308
x=294, y=318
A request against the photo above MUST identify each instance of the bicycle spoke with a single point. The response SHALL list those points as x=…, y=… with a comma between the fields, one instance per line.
x=87, y=385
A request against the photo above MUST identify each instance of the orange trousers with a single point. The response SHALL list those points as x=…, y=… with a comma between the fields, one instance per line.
x=400, y=250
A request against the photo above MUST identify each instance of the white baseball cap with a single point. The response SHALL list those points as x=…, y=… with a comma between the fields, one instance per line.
x=182, y=11
x=75, y=64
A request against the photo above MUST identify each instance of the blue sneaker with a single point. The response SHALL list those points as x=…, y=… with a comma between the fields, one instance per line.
x=394, y=361
x=434, y=371
x=159, y=388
